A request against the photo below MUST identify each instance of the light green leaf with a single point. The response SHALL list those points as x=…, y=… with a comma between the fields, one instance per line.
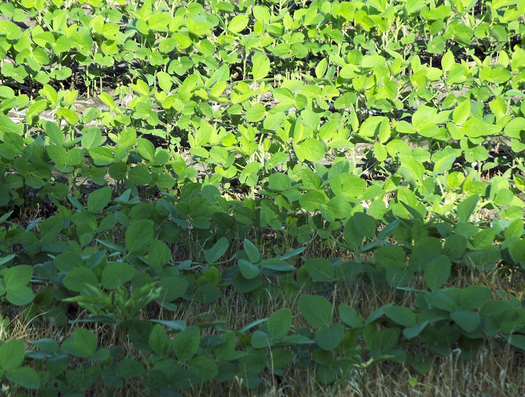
x=101, y=155
x=99, y=199
x=238, y=23
x=320, y=69
x=146, y=149
x=20, y=296
x=310, y=150
x=475, y=127
x=261, y=66
x=261, y=14
x=371, y=126
x=252, y=251
x=515, y=127
x=462, y=112
x=424, y=115
x=255, y=113
x=50, y=229
x=92, y=139
x=313, y=200
x=54, y=133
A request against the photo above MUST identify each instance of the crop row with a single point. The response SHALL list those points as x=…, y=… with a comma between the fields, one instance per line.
x=223, y=147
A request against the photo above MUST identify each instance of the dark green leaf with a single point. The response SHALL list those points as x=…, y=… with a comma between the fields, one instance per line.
x=260, y=340
x=485, y=238
x=207, y=293
x=438, y=272
x=219, y=249
x=17, y=276
x=316, y=310
x=455, y=246
x=401, y=315
x=444, y=299
x=473, y=297
x=204, y=368
x=516, y=340
x=116, y=274
x=129, y=368
x=186, y=343
x=20, y=296
x=365, y=223
x=251, y=250
x=78, y=278
x=320, y=269
x=11, y=354
x=31, y=243
x=159, y=254
x=172, y=288
x=248, y=270
x=26, y=377
x=279, y=323
x=139, y=236
x=50, y=229
x=329, y=337
x=391, y=257
x=243, y=285
x=82, y=344
x=350, y=316
x=466, y=319
x=158, y=340
x=466, y=207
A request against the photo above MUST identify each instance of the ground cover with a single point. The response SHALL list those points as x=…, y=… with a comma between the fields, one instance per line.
x=262, y=197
